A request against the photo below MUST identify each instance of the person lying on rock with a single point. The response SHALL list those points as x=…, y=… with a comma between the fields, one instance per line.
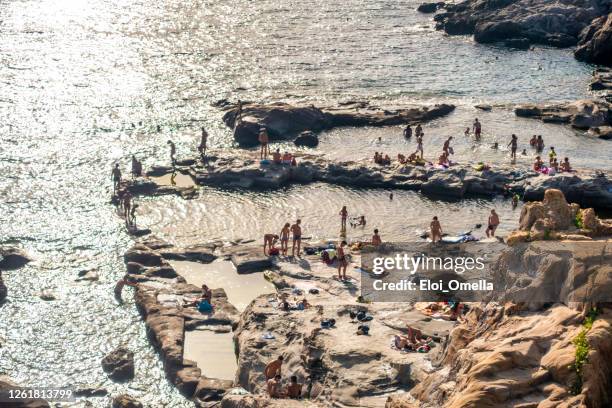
x=276, y=157
x=275, y=389
x=273, y=369
x=294, y=389
x=269, y=242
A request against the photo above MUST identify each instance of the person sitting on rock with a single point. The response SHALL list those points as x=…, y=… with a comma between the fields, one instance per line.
x=376, y=240
x=377, y=158
x=443, y=160
x=303, y=304
x=274, y=386
x=206, y=293
x=387, y=160
x=565, y=165
x=273, y=368
x=269, y=242
x=538, y=164
x=287, y=157
x=294, y=389
x=276, y=157
x=401, y=158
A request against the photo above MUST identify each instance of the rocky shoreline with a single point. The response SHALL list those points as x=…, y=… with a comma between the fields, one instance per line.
x=242, y=170
x=518, y=24
x=284, y=121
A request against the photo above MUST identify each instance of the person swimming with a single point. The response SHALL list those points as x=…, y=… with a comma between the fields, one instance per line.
x=565, y=165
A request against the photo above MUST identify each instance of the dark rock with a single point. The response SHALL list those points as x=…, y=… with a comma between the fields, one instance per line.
x=126, y=401
x=143, y=256
x=196, y=253
x=557, y=23
x=484, y=107
x=518, y=43
x=595, y=42
x=210, y=389
x=583, y=114
x=284, y=121
x=119, y=364
x=428, y=7
x=307, y=139
x=88, y=391
x=249, y=259
x=13, y=258
x=3, y=289
x=187, y=379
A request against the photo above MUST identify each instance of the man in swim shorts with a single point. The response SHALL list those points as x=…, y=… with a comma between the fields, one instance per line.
x=116, y=175
x=493, y=223
x=477, y=128
x=342, y=261
x=296, y=230
x=273, y=368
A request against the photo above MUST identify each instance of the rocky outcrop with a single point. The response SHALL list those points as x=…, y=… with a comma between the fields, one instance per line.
x=554, y=219
x=554, y=23
x=430, y=7
x=119, y=364
x=242, y=170
x=583, y=114
x=499, y=357
x=13, y=258
x=595, y=42
x=6, y=384
x=307, y=138
x=160, y=295
x=284, y=121
x=126, y=401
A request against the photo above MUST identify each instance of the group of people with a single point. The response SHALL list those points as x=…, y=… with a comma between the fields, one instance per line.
x=435, y=228
x=274, y=383
x=286, y=158
x=554, y=166
x=294, y=230
x=123, y=196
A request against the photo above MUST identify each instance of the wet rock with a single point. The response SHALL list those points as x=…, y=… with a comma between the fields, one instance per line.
x=90, y=391
x=583, y=114
x=556, y=23
x=196, y=253
x=249, y=259
x=518, y=43
x=47, y=295
x=307, y=138
x=595, y=44
x=3, y=289
x=210, y=389
x=13, y=258
x=284, y=121
x=143, y=255
x=429, y=7
x=126, y=401
x=587, y=190
x=119, y=364
x=484, y=107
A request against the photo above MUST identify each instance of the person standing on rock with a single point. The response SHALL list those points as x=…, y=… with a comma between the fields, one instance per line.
x=342, y=261
x=492, y=224
x=202, y=145
x=408, y=132
x=420, y=145
x=343, y=216
x=296, y=230
x=116, y=176
x=273, y=368
x=127, y=206
x=513, y=147
x=436, y=230
x=446, y=147
x=172, y=152
x=477, y=128
x=284, y=238
x=264, y=139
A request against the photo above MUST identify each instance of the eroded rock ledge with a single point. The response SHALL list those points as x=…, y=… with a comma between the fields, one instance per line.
x=284, y=121
x=242, y=169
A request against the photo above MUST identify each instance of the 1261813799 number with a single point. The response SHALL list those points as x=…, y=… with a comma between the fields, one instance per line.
x=22, y=394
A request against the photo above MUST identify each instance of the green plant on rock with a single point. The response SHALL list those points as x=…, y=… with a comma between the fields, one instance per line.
x=578, y=221
x=582, y=350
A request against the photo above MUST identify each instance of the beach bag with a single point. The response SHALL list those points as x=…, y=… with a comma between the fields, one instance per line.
x=204, y=307
x=274, y=251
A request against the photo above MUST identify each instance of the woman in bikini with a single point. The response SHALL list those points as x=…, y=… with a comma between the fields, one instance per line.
x=343, y=216
x=342, y=261
x=284, y=238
